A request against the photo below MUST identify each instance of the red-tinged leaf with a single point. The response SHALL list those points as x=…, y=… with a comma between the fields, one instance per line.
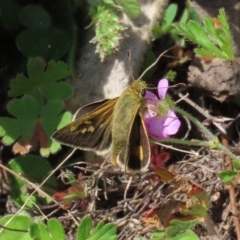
x=71, y=194
x=150, y=214
x=74, y=193
x=21, y=148
x=208, y=58
x=216, y=23
x=158, y=158
x=39, y=137
x=164, y=174
x=59, y=196
x=202, y=196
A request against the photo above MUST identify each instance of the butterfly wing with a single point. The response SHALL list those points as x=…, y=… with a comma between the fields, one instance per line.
x=135, y=153
x=88, y=108
x=91, y=130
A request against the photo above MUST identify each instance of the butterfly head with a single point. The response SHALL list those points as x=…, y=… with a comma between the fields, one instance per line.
x=139, y=87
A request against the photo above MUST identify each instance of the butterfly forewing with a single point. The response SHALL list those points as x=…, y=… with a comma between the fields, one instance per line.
x=83, y=133
x=89, y=108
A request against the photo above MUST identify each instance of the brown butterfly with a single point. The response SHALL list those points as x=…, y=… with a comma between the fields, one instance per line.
x=113, y=126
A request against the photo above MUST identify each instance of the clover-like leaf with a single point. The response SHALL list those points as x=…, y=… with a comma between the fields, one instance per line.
x=10, y=13
x=43, y=79
x=45, y=43
x=34, y=17
x=32, y=126
x=25, y=113
x=51, y=119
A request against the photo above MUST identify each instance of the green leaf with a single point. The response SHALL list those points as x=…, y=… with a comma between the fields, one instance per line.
x=193, y=15
x=157, y=235
x=236, y=165
x=228, y=176
x=50, y=120
x=38, y=231
x=169, y=15
x=34, y=231
x=9, y=14
x=213, y=41
x=25, y=111
x=48, y=44
x=130, y=7
x=55, y=229
x=84, y=228
x=104, y=231
x=35, y=17
x=43, y=79
x=188, y=235
x=108, y=28
x=32, y=127
x=35, y=169
x=157, y=31
x=17, y=222
x=177, y=226
x=184, y=17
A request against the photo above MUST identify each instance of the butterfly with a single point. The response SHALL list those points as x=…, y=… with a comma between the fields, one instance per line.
x=112, y=126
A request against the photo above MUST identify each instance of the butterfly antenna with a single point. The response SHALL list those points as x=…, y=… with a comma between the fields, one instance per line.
x=129, y=64
x=156, y=61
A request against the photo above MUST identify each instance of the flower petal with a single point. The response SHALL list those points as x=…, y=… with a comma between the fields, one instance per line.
x=152, y=100
x=155, y=127
x=172, y=123
x=148, y=114
x=150, y=95
x=162, y=88
x=161, y=127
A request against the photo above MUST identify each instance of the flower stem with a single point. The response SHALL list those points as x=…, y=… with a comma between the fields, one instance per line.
x=195, y=121
x=187, y=142
x=213, y=143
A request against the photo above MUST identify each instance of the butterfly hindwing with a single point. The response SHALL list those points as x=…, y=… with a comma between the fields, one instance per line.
x=135, y=154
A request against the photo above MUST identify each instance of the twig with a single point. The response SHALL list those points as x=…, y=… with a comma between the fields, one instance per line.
x=232, y=193
x=173, y=148
x=37, y=188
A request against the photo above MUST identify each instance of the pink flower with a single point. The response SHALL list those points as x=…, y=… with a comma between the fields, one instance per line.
x=161, y=122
